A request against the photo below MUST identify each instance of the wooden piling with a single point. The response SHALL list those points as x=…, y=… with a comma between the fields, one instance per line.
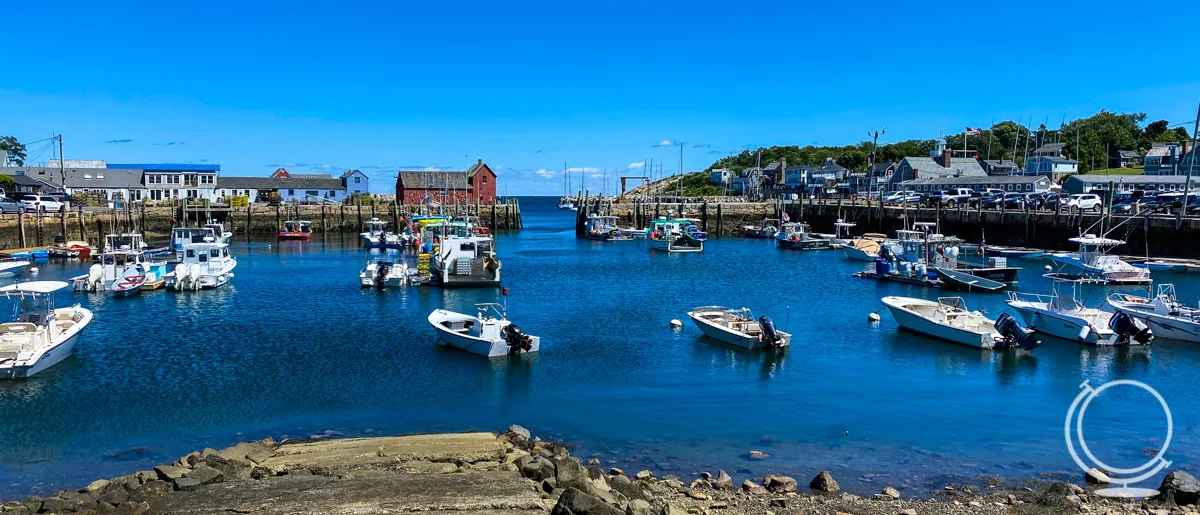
x=62, y=223
x=82, y=225
x=21, y=229
x=720, y=219
x=324, y=223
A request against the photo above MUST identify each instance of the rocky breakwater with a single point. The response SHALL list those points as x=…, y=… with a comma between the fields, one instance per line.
x=516, y=474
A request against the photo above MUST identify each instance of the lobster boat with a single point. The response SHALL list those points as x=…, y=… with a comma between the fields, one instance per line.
x=489, y=333
x=739, y=327
x=795, y=236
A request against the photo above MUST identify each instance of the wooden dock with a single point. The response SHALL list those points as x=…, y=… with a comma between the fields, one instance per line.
x=8, y=253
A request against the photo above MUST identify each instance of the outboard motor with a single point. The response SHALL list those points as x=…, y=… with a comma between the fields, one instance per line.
x=1014, y=334
x=381, y=273
x=517, y=341
x=1130, y=329
x=770, y=336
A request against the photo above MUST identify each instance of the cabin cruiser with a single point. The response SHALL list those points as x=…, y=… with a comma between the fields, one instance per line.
x=488, y=333
x=604, y=228
x=296, y=230
x=1165, y=315
x=1062, y=315
x=204, y=265
x=795, y=235
x=121, y=272
x=376, y=234
x=124, y=241
x=949, y=319
x=671, y=235
x=181, y=236
x=384, y=270
x=1093, y=263
x=39, y=334
x=739, y=327
x=464, y=259
x=219, y=232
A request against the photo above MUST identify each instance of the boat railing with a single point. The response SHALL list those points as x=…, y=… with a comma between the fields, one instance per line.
x=1030, y=297
x=491, y=310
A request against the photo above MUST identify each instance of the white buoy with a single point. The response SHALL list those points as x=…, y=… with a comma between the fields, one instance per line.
x=873, y=317
x=1049, y=268
x=33, y=270
x=676, y=323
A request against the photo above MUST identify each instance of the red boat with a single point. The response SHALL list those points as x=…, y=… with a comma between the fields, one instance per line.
x=296, y=230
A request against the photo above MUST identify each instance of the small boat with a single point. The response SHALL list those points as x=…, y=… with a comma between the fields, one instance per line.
x=1013, y=252
x=604, y=228
x=841, y=234
x=1165, y=315
x=959, y=280
x=489, y=333
x=865, y=248
x=40, y=335
x=1178, y=266
x=121, y=272
x=739, y=327
x=219, y=232
x=672, y=236
x=383, y=271
x=12, y=266
x=795, y=236
x=949, y=319
x=62, y=251
x=30, y=255
x=463, y=258
x=181, y=236
x=1093, y=263
x=1062, y=315
x=63, y=248
x=567, y=204
x=296, y=230
x=376, y=234
x=205, y=265
x=764, y=230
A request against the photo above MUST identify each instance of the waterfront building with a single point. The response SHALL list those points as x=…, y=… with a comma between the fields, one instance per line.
x=1000, y=167
x=288, y=189
x=1162, y=159
x=1053, y=166
x=1077, y=184
x=475, y=184
x=169, y=181
x=940, y=163
x=1015, y=183
x=719, y=176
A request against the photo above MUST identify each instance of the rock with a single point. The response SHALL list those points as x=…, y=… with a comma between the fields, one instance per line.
x=261, y=473
x=824, y=483
x=547, y=486
x=621, y=480
x=616, y=471
x=569, y=473
x=238, y=451
x=706, y=476
x=58, y=505
x=169, y=472
x=205, y=474
x=645, y=475
x=1180, y=488
x=909, y=511
x=145, y=475
x=1012, y=500
x=697, y=495
x=191, y=458
x=538, y=469
x=1095, y=477
x=780, y=484
x=638, y=507
x=723, y=481
x=95, y=486
x=974, y=504
x=516, y=430
x=891, y=492
x=230, y=468
x=759, y=455
x=753, y=488
x=258, y=456
x=185, y=484
x=154, y=493
x=575, y=502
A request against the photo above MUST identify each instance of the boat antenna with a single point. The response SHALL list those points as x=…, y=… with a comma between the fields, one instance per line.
x=788, y=319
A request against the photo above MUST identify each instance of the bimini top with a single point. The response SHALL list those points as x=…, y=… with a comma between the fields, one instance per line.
x=1092, y=239
x=34, y=287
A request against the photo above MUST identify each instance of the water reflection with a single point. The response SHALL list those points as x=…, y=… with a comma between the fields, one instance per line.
x=766, y=362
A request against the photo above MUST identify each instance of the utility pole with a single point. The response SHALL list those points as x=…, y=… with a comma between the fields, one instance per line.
x=874, y=153
x=1187, y=183
x=62, y=166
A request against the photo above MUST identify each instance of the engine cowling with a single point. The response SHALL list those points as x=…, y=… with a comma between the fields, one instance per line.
x=1015, y=335
x=1130, y=329
x=770, y=335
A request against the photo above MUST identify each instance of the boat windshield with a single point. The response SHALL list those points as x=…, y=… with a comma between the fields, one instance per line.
x=32, y=309
x=490, y=310
x=955, y=303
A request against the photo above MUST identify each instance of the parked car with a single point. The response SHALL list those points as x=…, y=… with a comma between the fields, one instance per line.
x=903, y=197
x=1172, y=202
x=1050, y=200
x=1129, y=206
x=992, y=201
x=8, y=205
x=956, y=195
x=1014, y=200
x=1083, y=202
x=43, y=203
x=992, y=191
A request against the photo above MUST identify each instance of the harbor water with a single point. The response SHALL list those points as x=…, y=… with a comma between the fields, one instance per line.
x=292, y=347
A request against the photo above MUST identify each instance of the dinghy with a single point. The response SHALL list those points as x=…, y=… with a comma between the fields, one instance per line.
x=489, y=333
x=39, y=335
x=948, y=319
x=1165, y=315
x=955, y=280
x=739, y=327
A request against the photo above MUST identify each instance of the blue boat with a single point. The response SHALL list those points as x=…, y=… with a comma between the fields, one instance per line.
x=795, y=236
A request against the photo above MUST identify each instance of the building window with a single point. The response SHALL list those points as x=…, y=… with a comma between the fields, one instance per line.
x=291, y=193
x=485, y=179
x=357, y=180
x=207, y=179
x=312, y=194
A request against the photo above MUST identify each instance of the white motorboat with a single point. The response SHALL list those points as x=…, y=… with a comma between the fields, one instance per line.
x=376, y=234
x=205, y=265
x=465, y=260
x=1062, y=315
x=739, y=327
x=841, y=234
x=489, y=333
x=384, y=271
x=12, y=266
x=949, y=319
x=1165, y=315
x=181, y=236
x=604, y=228
x=122, y=273
x=1093, y=263
x=865, y=248
x=219, y=232
x=40, y=335
x=124, y=241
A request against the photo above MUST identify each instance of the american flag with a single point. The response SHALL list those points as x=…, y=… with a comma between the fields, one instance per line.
x=785, y=216
x=973, y=131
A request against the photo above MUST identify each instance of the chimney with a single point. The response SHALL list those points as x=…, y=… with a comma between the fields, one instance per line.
x=946, y=153
x=1187, y=145
x=480, y=162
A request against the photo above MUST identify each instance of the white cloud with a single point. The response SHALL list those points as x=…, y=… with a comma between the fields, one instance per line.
x=597, y=176
x=432, y=169
x=546, y=174
x=586, y=169
x=639, y=164
x=669, y=143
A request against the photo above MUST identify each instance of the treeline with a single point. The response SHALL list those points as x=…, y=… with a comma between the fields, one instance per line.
x=1092, y=141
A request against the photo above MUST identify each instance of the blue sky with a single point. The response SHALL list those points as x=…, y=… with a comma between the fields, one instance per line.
x=527, y=86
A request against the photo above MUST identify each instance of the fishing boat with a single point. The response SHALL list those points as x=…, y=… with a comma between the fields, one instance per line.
x=219, y=232
x=949, y=319
x=11, y=266
x=384, y=271
x=205, y=265
x=488, y=333
x=181, y=236
x=121, y=272
x=764, y=230
x=39, y=334
x=795, y=235
x=1062, y=315
x=671, y=235
x=124, y=241
x=937, y=251
x=464, y=259
x=841, y=234
x=296, y=230
x=1093, y=263
x=865, y=248
x=156, y=274
x=739, y=327
x=1165, y=315
x=692, y=232
x=377, y=235
x=604, y=228
x=956, y=280
x=567, y=204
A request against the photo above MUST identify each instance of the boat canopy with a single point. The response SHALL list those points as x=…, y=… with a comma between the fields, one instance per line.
x=34, y=287
x=1093, y=240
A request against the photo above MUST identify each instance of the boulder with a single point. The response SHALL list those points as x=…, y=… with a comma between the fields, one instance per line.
x=154, y=493
x=96, y=486
x=723, y=481
x=780, y=484
x=258, y=456
x=1180, y=488
x=538, y=469
x=891, y=493
x=645, y=475
x=261, y=473
x=1095, y=477
x=616, y=471
x=758, y=455
x=205, y=474
x=230, y=468
x=638, y=507
x=750, y=487
x=170, y=472
x=575, y=502
x=908, y=511
x=191, y=458
x=238, y=451
x=185, y=484
x=58, y=505
x=145, y=475
x=515, y=430
x=569, y=473
x=824, y=482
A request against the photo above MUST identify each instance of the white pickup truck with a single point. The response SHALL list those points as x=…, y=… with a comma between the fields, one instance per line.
x=953, y=195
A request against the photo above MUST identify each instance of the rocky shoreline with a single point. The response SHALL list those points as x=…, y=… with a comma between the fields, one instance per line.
x=514, y=473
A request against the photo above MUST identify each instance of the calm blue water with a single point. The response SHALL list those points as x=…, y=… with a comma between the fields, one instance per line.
x=293, y=347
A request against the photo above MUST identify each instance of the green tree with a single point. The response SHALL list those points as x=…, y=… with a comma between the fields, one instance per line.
x=16, y=151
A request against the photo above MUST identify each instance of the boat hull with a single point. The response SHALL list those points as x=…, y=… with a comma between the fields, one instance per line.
x=912, y=321
x=1164, y=326
x=671, y=246
x=803, y=244
x=293, y=236
x=858, y=254
x=52, y=356
x=1001, y=274
x=724, y=334
x=960, y=280
x=1062, y=325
